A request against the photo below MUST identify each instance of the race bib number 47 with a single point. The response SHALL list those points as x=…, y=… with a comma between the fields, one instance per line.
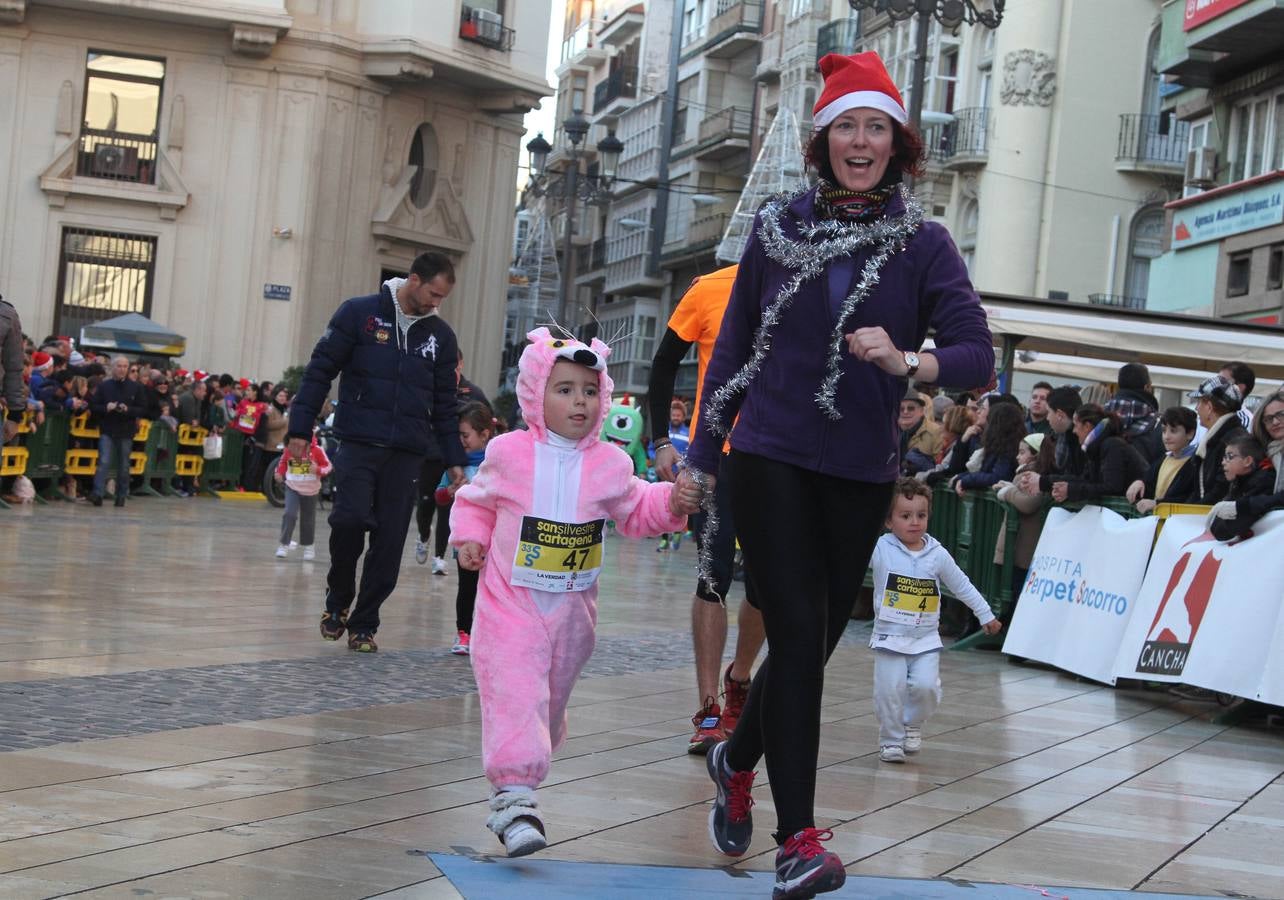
x=558, y=556
x=908, y=600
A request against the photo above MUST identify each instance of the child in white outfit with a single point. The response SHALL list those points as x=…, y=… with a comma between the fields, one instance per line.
x=909, y=567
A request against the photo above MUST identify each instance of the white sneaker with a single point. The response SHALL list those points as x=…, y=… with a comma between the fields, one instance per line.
x=913, y=738
x=282, y=551
x=294, y=544
x=891, y=754
x=523, y=837
x=309, y=553
x=438, y=566
x=421, y=552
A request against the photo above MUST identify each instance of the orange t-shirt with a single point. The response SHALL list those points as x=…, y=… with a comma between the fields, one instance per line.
x=697, y=318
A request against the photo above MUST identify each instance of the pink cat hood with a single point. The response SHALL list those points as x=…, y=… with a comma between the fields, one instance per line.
x=530, y=637
x=536, y=365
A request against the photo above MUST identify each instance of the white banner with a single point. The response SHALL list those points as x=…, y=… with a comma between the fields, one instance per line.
x=1081, y=589
x=1209, y=613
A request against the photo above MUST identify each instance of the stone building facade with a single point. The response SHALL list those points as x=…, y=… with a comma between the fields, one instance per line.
x=234, y=172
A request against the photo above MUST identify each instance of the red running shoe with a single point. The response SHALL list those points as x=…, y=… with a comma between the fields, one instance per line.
x=734, y=695
x=708, y=728
x=805, y=869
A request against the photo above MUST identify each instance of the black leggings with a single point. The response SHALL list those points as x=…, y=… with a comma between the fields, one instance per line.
x=465, y=599
x=807, y=539
x=429, y=477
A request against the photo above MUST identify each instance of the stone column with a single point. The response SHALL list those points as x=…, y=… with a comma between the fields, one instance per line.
x=1010, y=188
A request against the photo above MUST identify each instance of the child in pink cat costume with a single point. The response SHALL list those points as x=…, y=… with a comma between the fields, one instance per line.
x=532, y=519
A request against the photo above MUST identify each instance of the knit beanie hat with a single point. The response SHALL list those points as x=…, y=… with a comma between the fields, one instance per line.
x=856, y=81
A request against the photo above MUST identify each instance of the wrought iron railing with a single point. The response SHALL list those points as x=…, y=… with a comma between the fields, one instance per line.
x=1119, y=300
x=1148, y=139
x=485, y=28
x=734, y=121
x=622, y=82
x=117, y=156
x=967, y=135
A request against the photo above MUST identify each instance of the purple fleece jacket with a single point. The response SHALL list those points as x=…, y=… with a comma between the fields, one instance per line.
x=925, y=285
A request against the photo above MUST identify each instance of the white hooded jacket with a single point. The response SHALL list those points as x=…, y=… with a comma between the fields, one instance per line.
x=907, y=594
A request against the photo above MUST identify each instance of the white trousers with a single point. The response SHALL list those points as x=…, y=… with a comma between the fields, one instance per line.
x=907, y=690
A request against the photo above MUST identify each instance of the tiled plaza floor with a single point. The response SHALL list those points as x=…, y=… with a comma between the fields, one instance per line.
x=171, y=725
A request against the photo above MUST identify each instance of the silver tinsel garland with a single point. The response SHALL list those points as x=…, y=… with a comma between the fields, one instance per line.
x=704, y=558
x=819, y=243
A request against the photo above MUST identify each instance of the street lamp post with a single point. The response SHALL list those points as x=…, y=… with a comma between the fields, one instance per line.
x=950, y=13
x=594, y=188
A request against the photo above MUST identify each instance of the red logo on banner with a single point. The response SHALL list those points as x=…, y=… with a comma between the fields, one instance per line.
x=1200, y=11
x=1175, y=625
x=1182, y=233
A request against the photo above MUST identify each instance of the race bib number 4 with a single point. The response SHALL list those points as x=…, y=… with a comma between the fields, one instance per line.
x=558, y=556
x=908, y=600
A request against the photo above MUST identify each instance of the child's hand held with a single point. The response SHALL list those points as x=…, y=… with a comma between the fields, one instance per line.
x=994, y=626
x=471, y=556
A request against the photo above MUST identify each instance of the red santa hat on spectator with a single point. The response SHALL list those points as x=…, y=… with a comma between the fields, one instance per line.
x=180, y=373
x=200, y=375
x=856, y=81
x=41, y=361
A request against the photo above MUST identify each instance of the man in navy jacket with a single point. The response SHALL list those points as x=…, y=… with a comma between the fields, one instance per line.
x=117, y=403
x=395, y=359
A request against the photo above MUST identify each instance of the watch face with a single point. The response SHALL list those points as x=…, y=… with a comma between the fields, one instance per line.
x=911, y=360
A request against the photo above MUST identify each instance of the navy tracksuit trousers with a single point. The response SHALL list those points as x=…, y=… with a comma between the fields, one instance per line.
x=375, y=492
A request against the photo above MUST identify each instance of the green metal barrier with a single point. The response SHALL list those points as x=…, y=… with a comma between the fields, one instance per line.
x=227, y=468
x=47, y=449
x=162, y=450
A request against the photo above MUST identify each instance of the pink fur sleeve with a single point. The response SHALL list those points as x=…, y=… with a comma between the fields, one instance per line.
x=473, y=514
x=638, y=508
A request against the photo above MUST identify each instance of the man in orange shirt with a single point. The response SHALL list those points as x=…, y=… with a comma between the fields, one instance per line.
x=696, y=320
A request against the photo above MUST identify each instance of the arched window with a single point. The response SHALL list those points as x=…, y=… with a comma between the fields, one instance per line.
x=425, y=158
x=1154, y=80
x=1145, y=242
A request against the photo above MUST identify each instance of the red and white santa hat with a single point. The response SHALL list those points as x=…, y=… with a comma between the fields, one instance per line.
x=856, y=81
x=200, y=375
x=41, y=361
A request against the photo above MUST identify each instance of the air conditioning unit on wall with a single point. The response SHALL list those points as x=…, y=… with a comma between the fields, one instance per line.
x=1201, y=166
x=489, y=25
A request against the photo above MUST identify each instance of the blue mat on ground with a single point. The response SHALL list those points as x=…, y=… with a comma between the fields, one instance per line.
x=477, y=877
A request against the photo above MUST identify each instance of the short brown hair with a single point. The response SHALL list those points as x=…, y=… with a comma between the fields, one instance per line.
x=909, y=488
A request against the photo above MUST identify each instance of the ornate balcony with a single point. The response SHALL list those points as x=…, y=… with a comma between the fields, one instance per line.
x=1145, y=145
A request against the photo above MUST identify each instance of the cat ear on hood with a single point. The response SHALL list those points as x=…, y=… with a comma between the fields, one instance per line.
x=539, y=334
x=600, y=349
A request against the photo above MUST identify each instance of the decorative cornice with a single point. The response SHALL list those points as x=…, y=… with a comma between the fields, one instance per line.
x=253, y=40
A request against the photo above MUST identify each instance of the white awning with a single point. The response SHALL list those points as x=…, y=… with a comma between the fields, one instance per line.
x=1085, y=370
x=1191, y=343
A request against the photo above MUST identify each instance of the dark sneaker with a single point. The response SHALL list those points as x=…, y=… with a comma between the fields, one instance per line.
x=708, y=728
x=730, y=823
x=362, y=642
x=96, y=499
x=332, y=626
x=805, y=869
x=734, y=695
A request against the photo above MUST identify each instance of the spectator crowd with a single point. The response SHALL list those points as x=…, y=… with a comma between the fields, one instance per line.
x=116, y=392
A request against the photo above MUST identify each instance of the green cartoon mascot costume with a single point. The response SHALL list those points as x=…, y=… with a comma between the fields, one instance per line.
x=623, y=427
